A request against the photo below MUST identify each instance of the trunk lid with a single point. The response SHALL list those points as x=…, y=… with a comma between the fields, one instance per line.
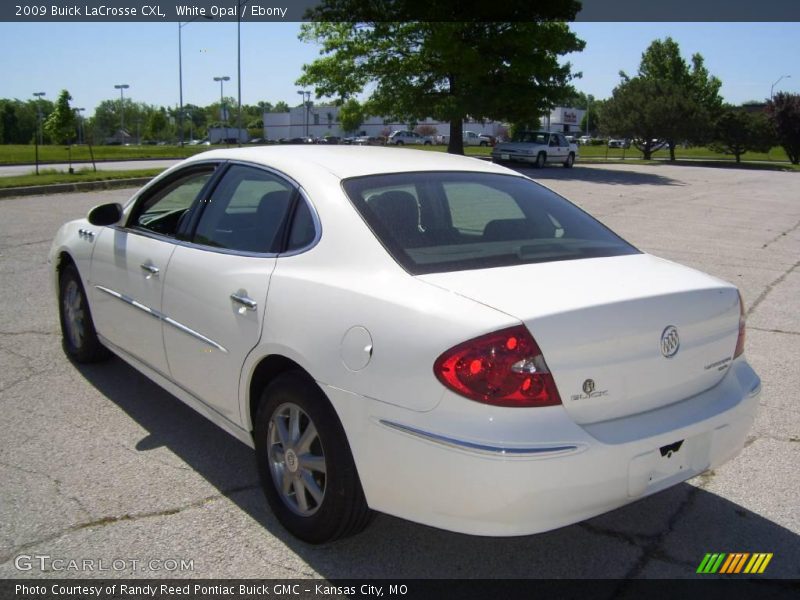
x=600, y=324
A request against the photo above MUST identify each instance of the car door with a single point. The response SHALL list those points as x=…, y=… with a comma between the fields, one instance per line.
x=130, y=261
x=216, y=289
x=553, y=150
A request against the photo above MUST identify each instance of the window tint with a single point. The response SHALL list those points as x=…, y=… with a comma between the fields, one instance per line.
x=302, y=232
x=246, y=211
x=436, y=222
x=162, y=210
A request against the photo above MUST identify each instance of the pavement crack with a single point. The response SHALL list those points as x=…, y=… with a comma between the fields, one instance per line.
x=780, y=235
x=23, y=244
x=770, y=287
x=127, y=518
x=21, y=380
x=774, y=330
x=28, y=332
x=57, y=483
x=652, y=548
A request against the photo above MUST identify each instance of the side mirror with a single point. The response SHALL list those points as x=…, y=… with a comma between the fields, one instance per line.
x=105, y=214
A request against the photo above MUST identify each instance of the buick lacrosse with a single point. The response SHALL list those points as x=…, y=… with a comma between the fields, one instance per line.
x=429, y=336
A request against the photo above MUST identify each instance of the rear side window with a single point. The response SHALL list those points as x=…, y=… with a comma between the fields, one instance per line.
x=246, y=212
x=450, y=221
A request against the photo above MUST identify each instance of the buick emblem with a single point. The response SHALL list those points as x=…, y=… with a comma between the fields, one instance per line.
x=670, y=342
x=588, y=387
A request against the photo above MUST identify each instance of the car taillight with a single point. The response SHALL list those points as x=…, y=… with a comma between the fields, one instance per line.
x=504, y=368
x=740, y=340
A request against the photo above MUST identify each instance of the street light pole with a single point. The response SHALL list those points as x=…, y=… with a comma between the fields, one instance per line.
x=180, y=85
x=223, y=113
x=241, y=5
x=772, y=87
x=38, y=136
x=306, y=99
x=121, y=87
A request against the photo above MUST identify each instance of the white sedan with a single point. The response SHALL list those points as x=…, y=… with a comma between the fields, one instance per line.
x=430, y=336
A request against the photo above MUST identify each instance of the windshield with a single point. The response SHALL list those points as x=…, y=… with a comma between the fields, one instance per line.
x=435, y=222
x=532, y=137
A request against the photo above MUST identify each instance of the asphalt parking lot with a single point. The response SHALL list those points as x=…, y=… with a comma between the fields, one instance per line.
x=98, y=463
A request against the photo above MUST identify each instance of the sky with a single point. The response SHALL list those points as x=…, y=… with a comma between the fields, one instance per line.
x=88, y=59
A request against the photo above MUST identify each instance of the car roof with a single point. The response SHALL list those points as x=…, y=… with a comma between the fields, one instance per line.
x=301, y=162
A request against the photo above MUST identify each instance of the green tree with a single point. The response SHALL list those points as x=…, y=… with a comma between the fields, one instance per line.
x=60, y=124
x=784, y=112
x=280, y=107
x=669, y=100
x=694, y=93
x=738, y=131
x=156, y=125
x=444, y=69
x=592, y=116
x=635, y=111
x=351, y=115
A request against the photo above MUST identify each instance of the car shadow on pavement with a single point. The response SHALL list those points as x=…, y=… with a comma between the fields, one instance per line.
x=663, y=536
x=597, y=174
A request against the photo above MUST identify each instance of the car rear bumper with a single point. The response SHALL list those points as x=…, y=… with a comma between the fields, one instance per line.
x=514, y=157
x=480, y=470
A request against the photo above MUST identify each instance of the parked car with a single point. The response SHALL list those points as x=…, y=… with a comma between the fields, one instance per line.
x=368, y=140
x=489, y=139
x=403, y=137
x=470, y=139
x=537, y=148
x=443, y=340
x=585, y=140
x=619, y=143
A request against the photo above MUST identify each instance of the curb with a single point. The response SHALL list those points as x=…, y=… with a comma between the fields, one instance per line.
x=65, y=188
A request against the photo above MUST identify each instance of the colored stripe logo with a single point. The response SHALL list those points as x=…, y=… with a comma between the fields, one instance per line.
x=734, y=563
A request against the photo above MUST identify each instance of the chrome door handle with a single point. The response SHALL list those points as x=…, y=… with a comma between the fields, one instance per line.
x=151, y=270
x=242, y=298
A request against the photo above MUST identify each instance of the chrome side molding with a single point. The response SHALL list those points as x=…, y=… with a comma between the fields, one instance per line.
x=162, y=317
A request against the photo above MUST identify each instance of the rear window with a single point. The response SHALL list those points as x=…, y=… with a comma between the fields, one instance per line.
x=435, y=222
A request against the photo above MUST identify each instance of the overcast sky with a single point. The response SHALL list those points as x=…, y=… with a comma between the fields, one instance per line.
x=89, y=59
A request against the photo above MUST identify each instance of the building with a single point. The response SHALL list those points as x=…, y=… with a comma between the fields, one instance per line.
x=323, y=121
x=564, y=120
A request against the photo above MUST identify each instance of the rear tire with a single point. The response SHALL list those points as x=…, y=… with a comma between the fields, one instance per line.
x=79, y=338
x=305, y=464
x=541, y=160
x=570, y=161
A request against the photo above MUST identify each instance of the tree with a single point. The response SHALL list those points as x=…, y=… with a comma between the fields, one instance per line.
x=60, y=125
x=676, y=102
x=438, y=68
x=635, y=110
x=426, y=130
x=592, y=115
x=280, y=107
x=784, y=112
x=351, y=115
x=738, y=131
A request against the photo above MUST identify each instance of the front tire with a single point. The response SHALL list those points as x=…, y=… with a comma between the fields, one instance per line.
x=305, y=464
x=570, y=161
x=79, y=338
x=541, y=160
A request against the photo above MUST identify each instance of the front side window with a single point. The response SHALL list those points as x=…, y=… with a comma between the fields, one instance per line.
x=449, y=221
x=161, y=210
x=246, y=212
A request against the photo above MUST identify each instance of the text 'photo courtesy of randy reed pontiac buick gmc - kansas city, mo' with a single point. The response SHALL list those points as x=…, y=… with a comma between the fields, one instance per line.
x=430, y=336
